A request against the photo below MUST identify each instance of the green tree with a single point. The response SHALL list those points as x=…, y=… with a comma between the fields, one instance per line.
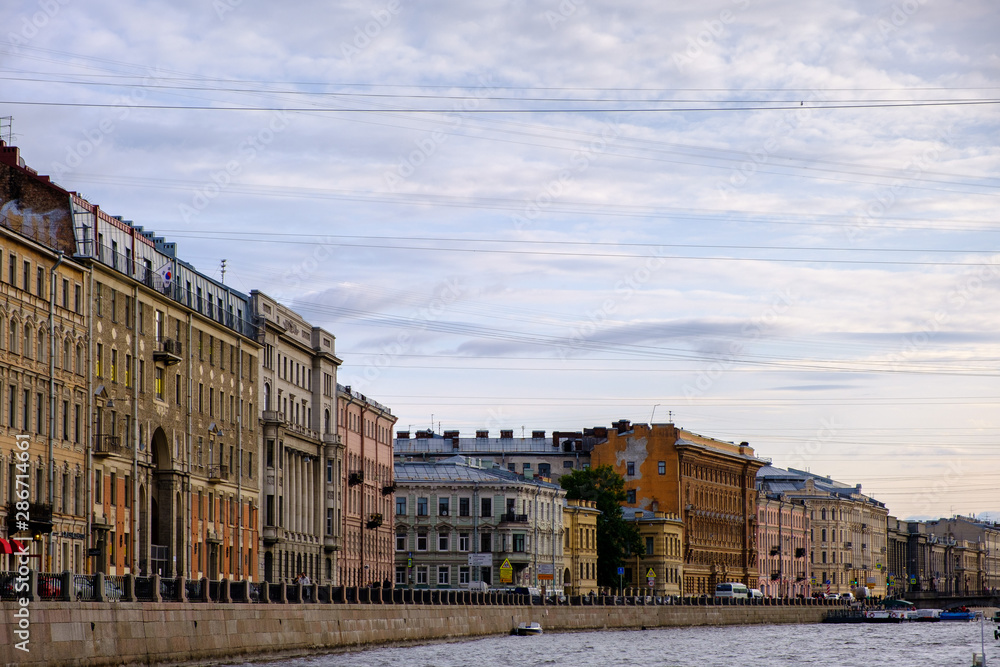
x=616, y=538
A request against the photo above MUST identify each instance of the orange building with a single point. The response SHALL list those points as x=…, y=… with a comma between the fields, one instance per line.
x=710, y=484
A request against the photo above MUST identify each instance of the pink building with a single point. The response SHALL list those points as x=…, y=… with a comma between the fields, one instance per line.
x=368, y=549
x=783, y=544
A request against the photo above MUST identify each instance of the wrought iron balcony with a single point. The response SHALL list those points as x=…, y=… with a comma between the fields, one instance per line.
x=110, y=445
x=510, y=517
x=355, y=478
x=374, y=521
x=219, y=473
x=168, y=351
x=389, y=488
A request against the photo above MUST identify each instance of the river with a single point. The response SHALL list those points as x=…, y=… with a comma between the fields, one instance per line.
x=855, y=645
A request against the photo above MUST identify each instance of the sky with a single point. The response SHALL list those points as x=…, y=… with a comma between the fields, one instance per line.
x=763, y=220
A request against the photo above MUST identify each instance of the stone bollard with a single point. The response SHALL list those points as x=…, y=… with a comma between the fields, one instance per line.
x=66, y=586
x=265, y=593
x=157, y=596
x=224, y=592
x=98, y=586
x=182, y=595
x=128, y=595
x=282, y=594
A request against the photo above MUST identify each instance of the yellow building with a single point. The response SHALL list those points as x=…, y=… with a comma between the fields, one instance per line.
x=659, y=571
x=580, y=547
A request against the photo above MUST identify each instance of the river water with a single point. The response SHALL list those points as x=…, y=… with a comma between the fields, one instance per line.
x=850, y=645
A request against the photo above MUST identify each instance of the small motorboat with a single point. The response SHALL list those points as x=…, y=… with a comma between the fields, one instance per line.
x=960, y=614
x=526, y=629
x=927, y=615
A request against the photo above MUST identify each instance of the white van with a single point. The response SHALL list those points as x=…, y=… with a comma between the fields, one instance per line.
x=756, y=593
x=732, y=590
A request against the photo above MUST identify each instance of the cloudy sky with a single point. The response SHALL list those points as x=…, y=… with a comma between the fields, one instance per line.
x=767, y=220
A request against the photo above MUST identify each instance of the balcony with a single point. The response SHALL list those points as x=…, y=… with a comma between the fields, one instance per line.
x=168, y=351
x=847, y=545
x=39, y=519
x=332, y=439
x=391, y=488
x=273, y=417
x=775, y=576
x=217, y=474
x=355, y=478
x=510, y=517
x=374, y=521
x=800, y=552
x=331, y=543
x=110, y=445
x=270, y=535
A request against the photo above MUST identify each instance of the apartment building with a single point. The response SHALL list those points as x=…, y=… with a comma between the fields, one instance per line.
x=303, y=457
x=783, y=530
x=580, y=547
x=660, y=568
x=461, y=520
x=365, y=427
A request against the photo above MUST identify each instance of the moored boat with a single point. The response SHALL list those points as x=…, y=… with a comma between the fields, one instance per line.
x=927, y=615
x=527, y=629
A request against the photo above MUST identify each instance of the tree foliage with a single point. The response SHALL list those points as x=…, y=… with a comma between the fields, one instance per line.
x=616, y=538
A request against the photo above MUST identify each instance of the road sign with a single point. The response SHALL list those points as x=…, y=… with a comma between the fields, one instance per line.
x=546, y=572
x=650, y=574
x=506, y=572
x=650, y=581
x=481, y=559
x=621, y=571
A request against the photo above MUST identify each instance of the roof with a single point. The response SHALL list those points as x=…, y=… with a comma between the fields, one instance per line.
x=773, y=480
x=459, y=469
x=439, y=445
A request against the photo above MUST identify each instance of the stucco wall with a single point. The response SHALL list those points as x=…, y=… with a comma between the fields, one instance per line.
x=125, y=633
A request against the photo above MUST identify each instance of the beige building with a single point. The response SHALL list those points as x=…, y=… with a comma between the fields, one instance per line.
x=580, y=547
x=848, y=531
x=967, y=557
x=302, y=455
x=783, y=535
x=462, y=520
x=365, y=427
x=44, y=399
x=660, y=570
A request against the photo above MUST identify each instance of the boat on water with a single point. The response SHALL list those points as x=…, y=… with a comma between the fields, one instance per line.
x=890, y=615
x=527, y=629
x=960, y=614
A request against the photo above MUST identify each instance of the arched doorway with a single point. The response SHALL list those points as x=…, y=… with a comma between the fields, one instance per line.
x=165, y=517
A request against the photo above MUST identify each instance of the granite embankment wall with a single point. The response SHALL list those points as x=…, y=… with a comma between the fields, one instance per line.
x=90, y=633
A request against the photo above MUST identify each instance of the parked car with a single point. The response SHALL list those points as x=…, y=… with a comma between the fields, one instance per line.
x=755, y=593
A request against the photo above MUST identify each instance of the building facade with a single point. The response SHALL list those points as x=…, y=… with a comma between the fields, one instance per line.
x=711, y=484
x=660, y=569
x=783, y=530
x=365, y=427
x=849, y=550
x=462, y=520
x=968, y=555
x=580, y=547
x=303, y=456
x=44, y=399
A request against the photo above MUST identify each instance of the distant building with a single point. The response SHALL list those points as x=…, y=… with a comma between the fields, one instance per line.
x=849, y=549
x=365, y=427
x=580, y=547
x=660, y=570
x=709, y=483
x=462, y=520
x=783, y=530
x=538, y=456
x=969, y=555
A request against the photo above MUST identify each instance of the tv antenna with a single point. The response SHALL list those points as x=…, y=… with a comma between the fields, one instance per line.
x=7, y=129
x=222, y=267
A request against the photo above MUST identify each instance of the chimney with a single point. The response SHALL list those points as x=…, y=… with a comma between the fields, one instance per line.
x=538, y=435
x=482, y=434
x=403, y=435
x=507, y=434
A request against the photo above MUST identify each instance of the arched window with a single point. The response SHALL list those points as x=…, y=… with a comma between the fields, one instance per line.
x=267, y=396
x=41, y=346
x=13, y=336
x=67, y=363
x=27, y=342
x=326, y=421
x=79, y=359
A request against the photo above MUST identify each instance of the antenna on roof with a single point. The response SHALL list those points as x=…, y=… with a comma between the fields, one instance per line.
x=222, y=266
x=7, y=129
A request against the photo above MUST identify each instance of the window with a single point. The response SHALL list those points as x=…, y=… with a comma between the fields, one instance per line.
x=97, y=360
x=114, y=365
x=486, y=507
x=444, y=575
x=40, y=282
x=544, y=470
x=630, y=496
x=568, y=464
x=463, y=507
x=329, y=520
x=649, y=546
x=519, y=542
x=159, y=383
x=400, y=575
x=400, y=541
x=661, y=467
x=421, y=541
x=443, y=539
x=422, y=575
x=485, y=542
x=401, y=505
x=463, y=541
x=630, y=468
x=422, y=507
x=463, y=575
x=443, y=506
